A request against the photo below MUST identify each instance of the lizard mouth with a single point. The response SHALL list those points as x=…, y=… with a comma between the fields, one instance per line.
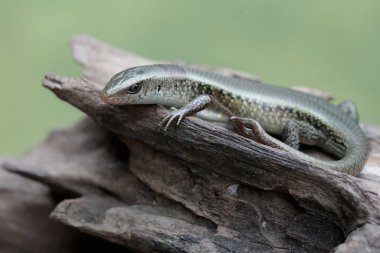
x=109, y=99
x=112, y=99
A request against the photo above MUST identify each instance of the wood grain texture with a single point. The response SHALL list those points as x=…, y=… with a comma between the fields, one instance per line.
x=25, y=207
x=198, y=187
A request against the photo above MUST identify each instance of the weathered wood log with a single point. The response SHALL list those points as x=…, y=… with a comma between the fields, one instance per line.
x=24, y=210
x=194, y=188
x=23, y=205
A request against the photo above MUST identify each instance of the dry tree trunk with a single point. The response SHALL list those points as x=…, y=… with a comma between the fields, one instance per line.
x=194, y=188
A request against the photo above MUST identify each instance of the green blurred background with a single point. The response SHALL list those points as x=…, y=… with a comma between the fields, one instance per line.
x=331, y=45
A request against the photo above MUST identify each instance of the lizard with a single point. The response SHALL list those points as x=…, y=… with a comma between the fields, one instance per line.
x=257, y=110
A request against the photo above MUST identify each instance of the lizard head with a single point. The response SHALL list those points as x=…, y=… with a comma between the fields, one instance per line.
x=140, y=85
x=129, y=86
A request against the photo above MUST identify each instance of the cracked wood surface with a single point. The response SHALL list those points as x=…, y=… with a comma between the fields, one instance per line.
x=195, y=188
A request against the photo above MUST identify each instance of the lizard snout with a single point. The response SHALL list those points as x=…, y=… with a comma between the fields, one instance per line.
x=106, y=98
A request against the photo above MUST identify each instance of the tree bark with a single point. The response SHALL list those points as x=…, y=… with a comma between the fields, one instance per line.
x=198, y=187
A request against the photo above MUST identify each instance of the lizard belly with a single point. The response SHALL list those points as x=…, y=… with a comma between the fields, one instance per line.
x=272, y=118
x=271, y=122
x=210, y=115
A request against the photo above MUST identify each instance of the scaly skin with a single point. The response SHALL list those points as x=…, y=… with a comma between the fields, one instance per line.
x=297, y=116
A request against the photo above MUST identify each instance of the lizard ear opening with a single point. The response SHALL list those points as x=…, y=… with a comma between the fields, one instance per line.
x=135, y=88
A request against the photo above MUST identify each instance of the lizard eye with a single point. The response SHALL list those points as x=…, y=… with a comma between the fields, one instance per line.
x=134, y=88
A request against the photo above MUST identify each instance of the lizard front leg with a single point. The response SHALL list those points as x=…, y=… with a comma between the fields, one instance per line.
x=196, y=105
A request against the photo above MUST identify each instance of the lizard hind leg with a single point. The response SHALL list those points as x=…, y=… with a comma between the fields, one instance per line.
x=296, y=132
x=252, y=129
x=350, y=109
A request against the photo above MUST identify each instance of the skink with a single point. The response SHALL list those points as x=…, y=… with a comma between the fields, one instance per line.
x=256, y=109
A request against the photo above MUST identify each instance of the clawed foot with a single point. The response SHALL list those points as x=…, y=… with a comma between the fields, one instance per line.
x=173, y=115
x=240, y=124
x=251, y=129
x=196, y=105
